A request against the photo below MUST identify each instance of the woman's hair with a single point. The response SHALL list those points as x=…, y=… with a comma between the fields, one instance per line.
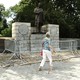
x=48, y=35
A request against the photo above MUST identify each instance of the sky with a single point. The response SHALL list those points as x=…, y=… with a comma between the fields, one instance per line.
x=9, y=3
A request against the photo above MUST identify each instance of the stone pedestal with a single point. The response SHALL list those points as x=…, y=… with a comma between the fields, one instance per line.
x=36, y=42
x=36, y=39
x=54, y=32
x=26, y=42
x=21, y=35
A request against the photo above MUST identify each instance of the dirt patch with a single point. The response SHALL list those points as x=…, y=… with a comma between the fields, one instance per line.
x=27, y=59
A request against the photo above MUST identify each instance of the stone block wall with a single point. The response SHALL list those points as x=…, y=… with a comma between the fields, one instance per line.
x=54, y=32
x=10, y=44
x=21, y=35
x=36, y=39
x=36, y=42
x=27, y=42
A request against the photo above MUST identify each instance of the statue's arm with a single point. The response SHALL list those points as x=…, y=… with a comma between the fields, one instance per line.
x=36, y=11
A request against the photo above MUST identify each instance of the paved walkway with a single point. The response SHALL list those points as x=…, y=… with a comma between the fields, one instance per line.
x=63, y=70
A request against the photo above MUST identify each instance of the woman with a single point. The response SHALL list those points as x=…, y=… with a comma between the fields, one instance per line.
x=46, y=51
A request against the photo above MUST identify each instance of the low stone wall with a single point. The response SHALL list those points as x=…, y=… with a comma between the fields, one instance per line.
x=54, y=32
x=36, y=42
x=24, y=42
x=10, y=44
x=21, y=34
x=36, y=39
x=6, y=43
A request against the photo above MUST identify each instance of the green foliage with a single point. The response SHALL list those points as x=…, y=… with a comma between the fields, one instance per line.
x=1, y=26
x=2, y=7
x=0, y=35
x=6, y=32
x=65, y=13
x=5, y=13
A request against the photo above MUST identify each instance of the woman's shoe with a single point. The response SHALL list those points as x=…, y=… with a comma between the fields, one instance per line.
x=40, y=68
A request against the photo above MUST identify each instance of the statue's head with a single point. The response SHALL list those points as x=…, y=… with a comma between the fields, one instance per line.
x=39, y=5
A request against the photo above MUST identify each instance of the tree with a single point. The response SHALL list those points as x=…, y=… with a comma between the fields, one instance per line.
x=1, y=9
x=66, y=13
x=4, y=29
x=7, y=32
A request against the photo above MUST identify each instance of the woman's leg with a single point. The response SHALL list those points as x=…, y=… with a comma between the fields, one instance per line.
x=44, y=58
x=49, y=55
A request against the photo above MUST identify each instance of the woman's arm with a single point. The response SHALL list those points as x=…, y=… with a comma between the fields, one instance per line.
x=53, y=50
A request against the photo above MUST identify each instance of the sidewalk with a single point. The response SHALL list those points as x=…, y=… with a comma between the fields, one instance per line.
x=63, y=70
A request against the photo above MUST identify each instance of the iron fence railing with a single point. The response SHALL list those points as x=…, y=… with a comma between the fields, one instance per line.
x=62, y=45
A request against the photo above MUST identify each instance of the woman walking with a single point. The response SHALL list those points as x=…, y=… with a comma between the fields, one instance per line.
x=46, y=52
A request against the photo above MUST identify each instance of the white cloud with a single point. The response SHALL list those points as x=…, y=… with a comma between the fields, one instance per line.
x=8, y=3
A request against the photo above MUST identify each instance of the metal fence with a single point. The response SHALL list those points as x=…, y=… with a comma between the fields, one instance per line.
x=9, y=45
x=71, y=45
x=63, y=45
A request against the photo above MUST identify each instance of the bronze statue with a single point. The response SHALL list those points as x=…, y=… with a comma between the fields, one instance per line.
x=38, y=17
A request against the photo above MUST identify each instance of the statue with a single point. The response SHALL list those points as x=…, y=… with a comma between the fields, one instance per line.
x=38, y=17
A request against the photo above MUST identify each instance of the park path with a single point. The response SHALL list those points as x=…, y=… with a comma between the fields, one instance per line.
x=63, y=70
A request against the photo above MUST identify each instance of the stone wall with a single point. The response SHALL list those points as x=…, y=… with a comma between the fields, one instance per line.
x=36, y=39
x=54, y=32
x=27, y=42
x=36, y=42
x=21, y=35
x=23, y=41
x=6, y=43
